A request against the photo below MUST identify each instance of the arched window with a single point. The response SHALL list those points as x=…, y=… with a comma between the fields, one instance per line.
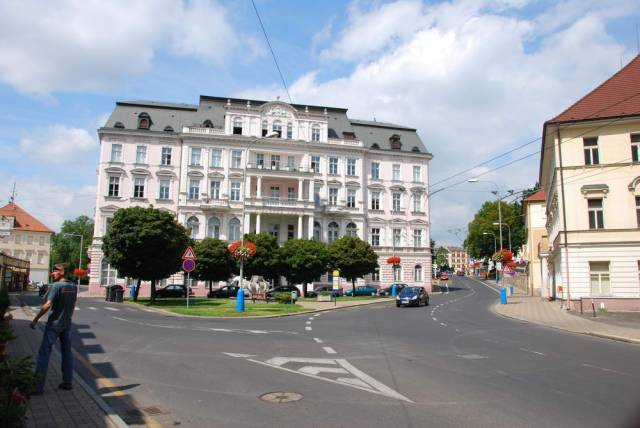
x=317, y=231
x=237, y=126
x=277, y=128
x=168, y=129
x=289, y=130
x=333, y=230
x=265, y=128
x=315, y=133
x=415, y=149
x=213, y=228
x=352, y=230
x=417, y=273
x=207, y=124
x=118, y=125
x=234, y=229
x=144, y=121
x=194, y=227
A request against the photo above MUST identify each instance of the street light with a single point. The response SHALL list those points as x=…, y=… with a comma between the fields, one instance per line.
x=494, y=240
x=495, y=223
x=244, y=184
x=495, y=192
x=80, y=261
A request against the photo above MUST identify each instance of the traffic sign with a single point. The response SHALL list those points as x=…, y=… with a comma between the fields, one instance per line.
x=189, y=254
x=188, y=265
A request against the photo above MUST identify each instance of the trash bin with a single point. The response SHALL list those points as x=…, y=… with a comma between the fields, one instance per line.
x=119, y=293
x=294, y=296
x=132, y=292
x=107, y=295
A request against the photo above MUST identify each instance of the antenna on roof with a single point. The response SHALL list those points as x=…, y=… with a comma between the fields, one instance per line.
x=13, y=193
x=637, y=41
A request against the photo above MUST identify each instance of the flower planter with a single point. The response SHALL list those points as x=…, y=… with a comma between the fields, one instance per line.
x=324, y=298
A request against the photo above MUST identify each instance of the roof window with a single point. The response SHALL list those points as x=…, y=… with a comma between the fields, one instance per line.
x=118, y=125
x=207, y=124
x=168, y=129
x=375, y=146
x=144, y=121
x=394, y=140
x=415, y=149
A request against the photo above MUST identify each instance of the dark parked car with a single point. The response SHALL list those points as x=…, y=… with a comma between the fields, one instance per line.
x=334, y=292
x=226, y=292
x=173, y=290
x=412, y=296
x=362, y=290
x=42, y=289
x=283, y=289
x=387, y=290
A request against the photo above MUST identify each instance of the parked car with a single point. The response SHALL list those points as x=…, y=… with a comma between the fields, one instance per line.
x=283, y=289
x=387, y=290
x=42, y=289
x=412, y=296
x=174, y=290
x=362, y=290
x=227, y=291
x=334, y=292
x=444, y=276
x=460, y=273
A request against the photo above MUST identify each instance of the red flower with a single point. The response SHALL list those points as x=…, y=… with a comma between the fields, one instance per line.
x=502, y=256
x=79, y=272
x=240, y=251
x=17, y=397
x=393, y=260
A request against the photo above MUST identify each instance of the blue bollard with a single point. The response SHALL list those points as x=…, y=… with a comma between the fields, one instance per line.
x=393, y=291
x=511, y=290
x=503, y=296
x=240, y=300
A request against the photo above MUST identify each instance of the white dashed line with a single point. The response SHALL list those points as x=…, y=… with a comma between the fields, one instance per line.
x=308, y=322
x=457, y=331
x=329, y=350
x=443, y=324
x=92, y=308
x=434, y=318
x=118, y=318
x=311, y=319
x=533, y=352
x=112, y=309
x=317, y=340
x=308, y=328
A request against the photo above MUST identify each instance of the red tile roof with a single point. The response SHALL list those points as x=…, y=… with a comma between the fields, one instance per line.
x=538, y=196
x=617, y=96
x=24, y=221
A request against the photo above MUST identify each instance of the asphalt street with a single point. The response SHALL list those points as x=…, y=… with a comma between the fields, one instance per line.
x=451, y=364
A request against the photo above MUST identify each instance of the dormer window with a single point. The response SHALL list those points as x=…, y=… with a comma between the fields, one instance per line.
x=375, y=146
x=168, y=129
x=237, y=126
x=349, y=135
x=277, y=128
x=207, y=124
x=144, y=121
x=265, y=128
x=395, y=143
x=331, y=133
x=118, y=125
x=315, y=133
x=415, y=149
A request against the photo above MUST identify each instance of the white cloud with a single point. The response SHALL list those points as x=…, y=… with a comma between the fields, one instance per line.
x=58, y=144
x=474, y=81
x=80, y=45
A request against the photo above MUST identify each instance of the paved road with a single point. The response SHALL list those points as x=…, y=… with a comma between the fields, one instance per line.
x=451, y=364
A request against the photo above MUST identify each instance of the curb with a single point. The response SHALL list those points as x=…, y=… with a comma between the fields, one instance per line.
x=310, y=311
x=108, y=411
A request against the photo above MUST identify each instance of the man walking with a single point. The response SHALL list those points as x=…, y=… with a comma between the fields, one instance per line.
x=61, y=298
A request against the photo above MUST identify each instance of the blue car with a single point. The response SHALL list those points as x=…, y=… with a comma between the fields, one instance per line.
x=361, y=290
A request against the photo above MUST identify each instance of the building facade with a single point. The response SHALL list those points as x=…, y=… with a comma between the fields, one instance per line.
x=533, y=210
x=458, y=259
x=590, y=168
x=24, y=237
x=294, y=171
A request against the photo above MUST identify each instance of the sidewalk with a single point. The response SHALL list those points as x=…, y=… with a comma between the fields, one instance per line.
x=56, y=408
x=549, y=314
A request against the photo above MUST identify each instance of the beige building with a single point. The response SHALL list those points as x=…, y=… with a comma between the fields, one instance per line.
x=458, y=259
x=590, y=169
x=24, y=237
x=533, y=210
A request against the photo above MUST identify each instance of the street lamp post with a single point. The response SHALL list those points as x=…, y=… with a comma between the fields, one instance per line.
x=508, y=228
x=495, y=192
x=80, y=257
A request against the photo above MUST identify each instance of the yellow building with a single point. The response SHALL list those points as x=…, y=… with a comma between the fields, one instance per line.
x=590, y=169
x=533, y=208
x=24, y=237
x=458, y=259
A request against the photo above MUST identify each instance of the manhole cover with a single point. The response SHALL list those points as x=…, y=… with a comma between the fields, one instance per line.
x=281, y=397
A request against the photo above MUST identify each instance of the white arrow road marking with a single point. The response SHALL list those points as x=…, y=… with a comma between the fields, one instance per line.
x=359, y=379
x=112, y=309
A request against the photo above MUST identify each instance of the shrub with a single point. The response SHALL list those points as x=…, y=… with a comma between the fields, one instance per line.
x=283, y=298
x=4, y=301
x=6, y=334
x=16, y=383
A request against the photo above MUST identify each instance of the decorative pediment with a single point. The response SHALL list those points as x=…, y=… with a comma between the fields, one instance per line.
x=398, y=188
x=235, y=175
x=376, y=186
x=165, y=173
x=352, y=184
x=215, y=174
x=398, y=221
x=594, y=189
x=195, y=174
x=334, y=183
x=140, y=171
x=114, y=170
x=418, y=189
x=278, y=109
x=109, y=208
x=418, y=222
x=376, y=220
x=634, y=185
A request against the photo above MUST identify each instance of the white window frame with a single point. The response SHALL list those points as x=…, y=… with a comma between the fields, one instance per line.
x=591, y=153
x=396, y=172
x=315, y=164
x=236, y=159
x=216, y=158
x=417, y=173
x=194, y=189
x=116, y=152
x=396, y=237
x=600, y=276
x=351, y=167
x=113, y=188
x=165, y=156
x=139, y=187
x=275, y=162
x=351, y=198
x=141, y=154
x=214, y=189
x=196, y=156
x=417, y=238
x=635, y=148
x=417, y=202
x=375, y=200
x=333, y=196
x=597, y=213
x=234, y=191
x=375, y=170
x=164, y=186
x=375, y=236
x=315, y=133
x=333, y=165
x=396, y=199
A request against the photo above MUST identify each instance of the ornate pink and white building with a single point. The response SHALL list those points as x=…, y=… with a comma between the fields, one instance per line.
x=299, y=171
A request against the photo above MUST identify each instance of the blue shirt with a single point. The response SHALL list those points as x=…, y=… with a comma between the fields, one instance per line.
x=62, y=296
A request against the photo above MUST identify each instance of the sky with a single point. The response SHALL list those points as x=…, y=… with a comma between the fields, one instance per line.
x=476, y=78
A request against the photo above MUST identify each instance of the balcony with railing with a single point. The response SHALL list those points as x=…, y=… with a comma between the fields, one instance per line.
x=278, y=168
x=278, y=203
x=343, y=142
x=202, y=130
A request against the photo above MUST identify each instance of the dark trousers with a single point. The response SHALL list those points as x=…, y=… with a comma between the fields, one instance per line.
x=42, y=363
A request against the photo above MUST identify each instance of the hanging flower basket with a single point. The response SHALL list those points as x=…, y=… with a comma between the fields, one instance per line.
x=502, y=256
x=242, y=252
x=393, y=260
x=79, y=272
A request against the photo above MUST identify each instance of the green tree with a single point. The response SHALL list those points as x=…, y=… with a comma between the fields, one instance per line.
x=213, y=261
x=65, y=248
x=145, y=244
x=304, y=261
x=480, y=245
x=442, y=259
x=266, y=261
x=353, y=257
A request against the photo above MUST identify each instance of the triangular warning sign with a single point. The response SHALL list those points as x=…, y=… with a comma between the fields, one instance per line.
x=189, y=254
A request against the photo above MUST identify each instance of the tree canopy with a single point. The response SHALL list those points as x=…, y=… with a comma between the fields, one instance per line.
x=442, y=260
x=65, y=248
x=213, y=261
x=353, y=257
x=266, y=261
x=146, y=244
x=304, y=261
x=480, y=245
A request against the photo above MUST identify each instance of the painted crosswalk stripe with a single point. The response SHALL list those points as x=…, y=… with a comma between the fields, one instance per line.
x=308, y=322
x=329, y=350
x=308, y=328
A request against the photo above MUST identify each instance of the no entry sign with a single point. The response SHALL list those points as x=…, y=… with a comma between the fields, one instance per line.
x=188, y=265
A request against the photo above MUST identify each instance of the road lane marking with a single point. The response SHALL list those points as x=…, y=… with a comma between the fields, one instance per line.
x=308, y=322
x=317, y=340
x=443, y=324
x=112, y=309
x=329, y=350
x=308, y=328
x=119, y=319
x=531, y=351
x=311, y=319
x=93, y=308
x=231, y=354
x=601, y=368
x=434, y=318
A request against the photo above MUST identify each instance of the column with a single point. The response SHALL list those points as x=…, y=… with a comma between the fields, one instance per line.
x=247, y=187
x=259, y=190
x=299, y=227
x=312, y=190
x=310, y=231
x=246, y=224
x=300, y=188
x=258, y=222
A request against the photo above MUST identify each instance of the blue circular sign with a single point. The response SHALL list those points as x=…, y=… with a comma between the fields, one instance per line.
x=188, y=265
